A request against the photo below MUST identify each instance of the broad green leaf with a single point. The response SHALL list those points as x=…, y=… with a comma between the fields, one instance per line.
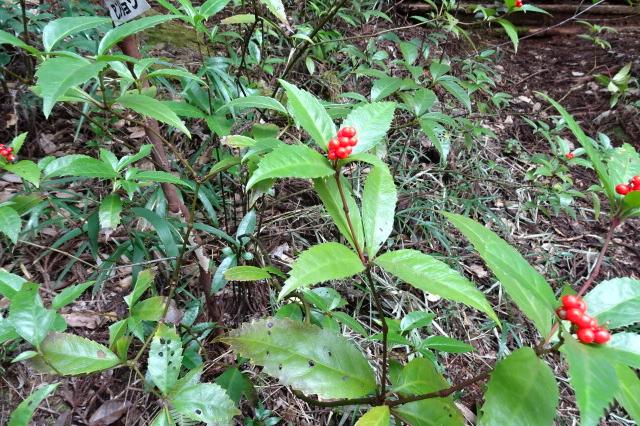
x=305, y=357
x=511, y=31
x=21, y=416
x=416, y=319
x=205, y=402
x=259, y=102
x=7, y=332
x=70, y=355
x=615, y=302
x=165, y=358
x=420, y=101
x=58, y=29
x=239, y=141
x=243, y=18
x=132, y=27
x=592, y=377
x=164, y=418
x=437, y=134
x=310, y=114
x=451, y=85
x=10, y=223
x=372, y=122
x=211, y=7
x=10, y=283
x=157, y=176
x=522, y=391
x=628, y=392
x=526, y=286
x=409, y=51
x=17, y=142
x=80, y=166
x=219, y=281
x=438, y=69
x=109, y=212
x=151, y=107
x=162, y=229
x=26, y=169
x=184, y=109
x=247, y=225
x=625, y=348
x=6, y=38
x=70, y=294
x=24, y=356
x=298, y=161
x=327, y=190
x=384, y=87
x=376, y=416
x=143, y=282
x=421, y=376
x=150, y=309
x=433, y=276
x=236, y=384
x=623, y=164
x=59, y=74
x=246, y=273
x=28, y=316
x=378, y=208
x=446, y=344
x=320, y=263
x=277, y=8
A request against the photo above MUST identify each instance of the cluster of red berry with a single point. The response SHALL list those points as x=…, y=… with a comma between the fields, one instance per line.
x=6, y=152
x=573, y=309
x=633, y=185
x=341, y=146
x=570, y=155
x=519, y=3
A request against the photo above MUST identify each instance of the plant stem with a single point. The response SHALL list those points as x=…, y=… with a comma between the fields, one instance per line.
x=615, y=222
x=345, y=209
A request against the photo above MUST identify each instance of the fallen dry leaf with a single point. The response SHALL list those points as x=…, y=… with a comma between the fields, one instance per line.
x=109, y=412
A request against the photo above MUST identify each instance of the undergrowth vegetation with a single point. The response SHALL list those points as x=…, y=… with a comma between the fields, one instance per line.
x=298, y=209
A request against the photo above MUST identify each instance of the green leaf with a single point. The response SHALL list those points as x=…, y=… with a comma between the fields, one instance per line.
x=421, y=376
x=143, y=282
x=162, y=229
x=165, y=358
x=372, y=122
x=420, y=101
x=6, y=38
x=376, y=416
x=592, y=377
x=205, y=402
x=320, y=263
x=446, y=344
x=70, y=294
x=438, y=69
x=243, y=18
x=526, y=286
x=7, y=332
x=132, y=27
x=305, y=357
x=24, y=356
x=10, y=223
x=236, y=384
x=437, y=134
x=451, y=85
x=80, y=166
x=416, y=319
x=109, y=212
x=615, y=301
x=151, y=107
x=522, y=391
x=625, y=348
x=164, y=417
x=70, y=355
x=385, y=87
x=378, y=208
x=59, y=74
x=157, y=176
x=150, y=309
x=327, y=190
x=258, y=102
x=511, y=31
x=277, y=8
x=623, y=164
x=26, y=169
x=60, y=28
x=310, y=114
x=211, y=7
x=629, y=390
x=433, y=276
x=246, y=273
x=17, y=142
x=10, y=283
x=21, y=416
x=28, y=316
x=285, y=161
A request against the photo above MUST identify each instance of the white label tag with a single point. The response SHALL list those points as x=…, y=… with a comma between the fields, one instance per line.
x=125, y=10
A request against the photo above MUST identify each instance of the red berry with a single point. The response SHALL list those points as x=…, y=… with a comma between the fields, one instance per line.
x=353, y=141
x=332, y=155
x=570, y=301
x=4, y=152
x=11, y=157
x=622, y=189
x=562, y=313
x=635, y=181
x=341, y=152
x=570, y=156
x=344, y=141
x=349, y=150
x=333, y=143
x=574, y=315
x=584, y=321
x=347, y=132
x=593, y=323
x=581, y=304
x=601, y=336
x=586, y=335
x=10, y=150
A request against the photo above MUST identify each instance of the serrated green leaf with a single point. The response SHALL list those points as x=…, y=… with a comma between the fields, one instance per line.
x=164, y=418
x=165, y=358
x=70, y=355
x=305, y=357
x=376, y=416
x=10, y=223
x=615, y=302
x=26, y=169
x=151, y=107
x=298, y=161
x=205, y=402
x=58, y=29
x=320, y=263
x=277, y=8
x=246, y=273
x=21, y=416
x=259, y=102
x=132, y=27
x=378, y=208
x=150, y=309
x=310, y=114
x=522, y=391
x=628, y=392
x=28, y=316
x=526, y=286
x=109, y=212
x=433, y=276
x=70, y=294
x=372, y=122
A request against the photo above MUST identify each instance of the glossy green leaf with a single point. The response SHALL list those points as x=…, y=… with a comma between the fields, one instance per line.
x=70, y=355
x=511, y=31
x=109, y=212
x=446, y=344
x=205, y=402
x=151, y=107
x=150, y=309
x=162, y=229
x=21, y=416
x=305, y=357
x=320, y=263
x=6, y=38
x=376, y=416
x=10, y=283
x=165, y=358
x=298, y=161
x=416, y=319
x=237, y=384
x=80, y=166
x=58, y=29
x=623, y=164
x=437, y=134
x=526, y=286
x=628, y=392
x=624, y=348
x=24, y=356
x=592, y=377
x=310, y=114
x=385, y=87
x=7, y=332
x=26, y=169
x=433, y=276
x=246, y=273
x=211, y=7
x=277, y=8
x=522, y=391
x=132, y=27
x=158, y=176
x=372, y=122
x=258, y=102
x=70, y=294
x=378, y=208
x=10, y=223
x=615, y=302
x=17, y=142
x=451, y=85
x=28, y=316
x=420, y=101
x=143, y=282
